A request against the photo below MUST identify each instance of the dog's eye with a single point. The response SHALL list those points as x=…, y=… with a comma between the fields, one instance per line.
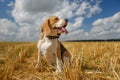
x=56, y=19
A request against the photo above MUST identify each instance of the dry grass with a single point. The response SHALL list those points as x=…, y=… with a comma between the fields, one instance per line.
x=90, y=61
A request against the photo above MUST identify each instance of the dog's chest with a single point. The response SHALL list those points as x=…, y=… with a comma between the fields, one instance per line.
x=48, y=46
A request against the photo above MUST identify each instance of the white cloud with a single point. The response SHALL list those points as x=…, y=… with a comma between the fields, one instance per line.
x=107, y=27
x=81, y=10
x=94, y=10
x=88, y=10
x=28, y=11
x=76, y=35
x=30, y=14
x=76, y=25
x=38, y=6
x=28, y=33
x=78, y=22
x=8, y=30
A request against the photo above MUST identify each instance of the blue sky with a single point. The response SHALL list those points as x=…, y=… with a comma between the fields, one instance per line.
x=5, y=8
x=20, y=20
x=108, y=9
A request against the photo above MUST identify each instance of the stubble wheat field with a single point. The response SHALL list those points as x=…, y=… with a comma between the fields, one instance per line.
x=90, y=61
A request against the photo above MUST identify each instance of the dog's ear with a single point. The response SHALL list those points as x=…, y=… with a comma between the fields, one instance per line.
x=46, y=29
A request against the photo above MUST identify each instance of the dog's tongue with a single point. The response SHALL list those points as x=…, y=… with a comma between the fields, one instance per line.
x=64, y=30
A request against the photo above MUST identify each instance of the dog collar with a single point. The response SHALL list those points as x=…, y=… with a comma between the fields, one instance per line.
x=53, y=37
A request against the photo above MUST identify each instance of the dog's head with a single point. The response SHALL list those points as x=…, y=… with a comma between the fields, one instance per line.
x=53, y=26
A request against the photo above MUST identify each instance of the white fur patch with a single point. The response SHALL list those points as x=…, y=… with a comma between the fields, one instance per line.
x=59, y=65
x=61, y=23
x=48, y=48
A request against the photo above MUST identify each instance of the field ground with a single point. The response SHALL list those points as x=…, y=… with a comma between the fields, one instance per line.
x=90, y=61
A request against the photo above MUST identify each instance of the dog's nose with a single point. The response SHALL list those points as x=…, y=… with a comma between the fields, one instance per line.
x=66, y=20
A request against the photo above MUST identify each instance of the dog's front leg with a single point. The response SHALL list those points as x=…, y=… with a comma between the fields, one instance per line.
x=59, y=65
x=59, y=59
x=38, y=60
x=39, y=55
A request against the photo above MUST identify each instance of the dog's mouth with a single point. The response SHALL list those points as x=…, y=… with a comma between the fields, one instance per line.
x=61, y=29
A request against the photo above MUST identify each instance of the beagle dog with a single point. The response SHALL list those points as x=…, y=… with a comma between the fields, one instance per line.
x=49, y=46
